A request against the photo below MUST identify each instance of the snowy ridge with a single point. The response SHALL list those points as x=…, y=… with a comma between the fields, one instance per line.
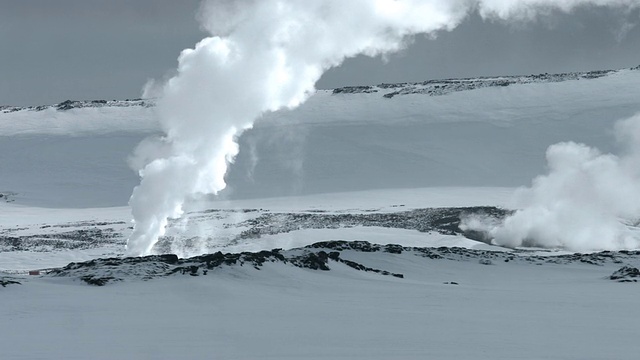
x=448, y=86
x=465, y=139
x=241, y=226
x=234, y=248
x=80, y=104
x=436, y=87
x=356, y=255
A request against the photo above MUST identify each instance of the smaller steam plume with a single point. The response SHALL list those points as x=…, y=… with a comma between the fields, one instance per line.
x=588, y=201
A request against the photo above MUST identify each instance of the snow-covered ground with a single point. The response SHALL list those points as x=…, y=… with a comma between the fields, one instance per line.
x=349, y=165
x=37, y=238
x=444, y=309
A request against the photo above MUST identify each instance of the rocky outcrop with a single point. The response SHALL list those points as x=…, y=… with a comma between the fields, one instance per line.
x=430, y=88
x=626, y=274
x=321, y=256
x=8, y=281
x=100, y=272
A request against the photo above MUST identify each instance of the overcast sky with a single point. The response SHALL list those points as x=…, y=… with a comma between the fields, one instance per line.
x=51, y=51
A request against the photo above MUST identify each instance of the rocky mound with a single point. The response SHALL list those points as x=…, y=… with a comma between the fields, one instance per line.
x=626, y=274
x=320, y=256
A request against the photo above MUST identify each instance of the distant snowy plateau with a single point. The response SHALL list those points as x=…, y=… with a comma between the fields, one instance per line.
x=338, y=236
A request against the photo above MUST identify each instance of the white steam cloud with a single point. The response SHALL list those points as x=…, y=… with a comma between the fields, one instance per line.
x=588, y=200
x=266, y=55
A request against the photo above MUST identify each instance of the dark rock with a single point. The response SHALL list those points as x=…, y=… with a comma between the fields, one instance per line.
x=96, y=280
x=354, y=90
x=442, y=220
x=313, y=261
x=393, y=249
x=65, y=105
x=5, y=282
x=625, y=274
x=354, y=265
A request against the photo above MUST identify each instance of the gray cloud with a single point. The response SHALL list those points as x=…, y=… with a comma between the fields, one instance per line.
x=84, y=49
x=93, y=49
x=588, y=39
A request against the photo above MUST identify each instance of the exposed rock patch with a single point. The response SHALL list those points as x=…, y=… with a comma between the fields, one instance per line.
x=445, y=221
x=7, y=281
x=320, y=256
x=93, y=234
x=429, y=87
x=79, y=104
x=72, y=240
x=626, y=274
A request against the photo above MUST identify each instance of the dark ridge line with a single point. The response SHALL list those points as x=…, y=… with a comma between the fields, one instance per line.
x=319, y=256
x=448, y=86
x=499, y=81
x=80, y=104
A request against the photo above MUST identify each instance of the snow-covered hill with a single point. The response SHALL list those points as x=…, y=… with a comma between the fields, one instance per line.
x=333, y=300
x=487, y=135
x=430, y=87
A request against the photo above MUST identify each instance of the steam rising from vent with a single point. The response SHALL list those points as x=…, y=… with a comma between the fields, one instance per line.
x=266, y=55
x=588, y=201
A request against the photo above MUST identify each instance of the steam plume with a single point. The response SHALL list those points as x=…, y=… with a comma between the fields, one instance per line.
x=587, y=201
x=266, y=55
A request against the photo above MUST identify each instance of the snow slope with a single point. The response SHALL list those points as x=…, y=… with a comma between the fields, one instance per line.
x=451, y=308
x=336, y=142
